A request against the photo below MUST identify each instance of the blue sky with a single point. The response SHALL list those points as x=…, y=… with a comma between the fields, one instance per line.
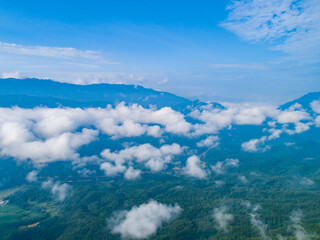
x=250, y=50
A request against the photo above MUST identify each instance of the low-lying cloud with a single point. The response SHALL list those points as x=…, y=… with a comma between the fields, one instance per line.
x=193, y=168
x=59, y=191
x=221, y=167
x=143, y=221
x=299, y=232
x=32, y=176
x=222, y=217
x=156, y=159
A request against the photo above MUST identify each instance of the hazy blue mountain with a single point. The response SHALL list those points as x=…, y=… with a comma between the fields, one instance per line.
x=30, y=93
x=304, y=101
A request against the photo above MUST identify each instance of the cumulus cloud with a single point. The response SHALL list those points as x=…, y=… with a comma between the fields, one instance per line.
x=233, y=114
x=275, y=133
x=153, y=158
x=254, y=145
x=60, y=191
x=211, y=141
x=143, y=221
x=222, y=217
x=32, y=176
x=51, y=134
x=240, y=114
x=290, y=26
x=291, y=121
x=132, y=173
x=315, y=106
x=193, y=168
x=16, y=140
x=112, y=169
x=292, y=116
x=172, y=121
x=221, y=167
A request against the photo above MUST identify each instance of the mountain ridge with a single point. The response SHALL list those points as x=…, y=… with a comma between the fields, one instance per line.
x=33, y=92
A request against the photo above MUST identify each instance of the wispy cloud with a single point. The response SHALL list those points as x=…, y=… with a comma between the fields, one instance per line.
x=221, y=66
x=287, y=25
x=222, y=217
x=299, y=232
x=13, y=74
x=53, y=52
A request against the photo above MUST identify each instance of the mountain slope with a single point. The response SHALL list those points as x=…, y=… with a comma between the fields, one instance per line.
x=304, y=101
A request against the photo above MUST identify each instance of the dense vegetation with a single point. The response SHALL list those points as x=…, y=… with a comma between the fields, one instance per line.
x=274, y=182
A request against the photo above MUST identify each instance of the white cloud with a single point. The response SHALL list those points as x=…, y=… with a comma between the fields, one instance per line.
x=154, y=158
x=51, y=134
x=14, y=74
x=236, y=66
x=32, y=176
x=127, y=129
x=287, y=25
x=163, y=81
x=155, y=131
x=317, y=121
x=193, y=168
x=254, y=145
x=221, y=167
x=222, y=218
x=292, y=121
x=299, y=232
x=112, y=169
x=59, y=191
x=219, y=183
x=295, y=106
x=53, y=52
x=132, y=173
x=211, y=141
x=292, y=116
x=288, y=144
x=306, y=182
x=18, y=142
x=172, y=121
x=243, y=179
x=315, y=105
x=84, y=172
x=260, y=226
x=275, y=133
x=237, y=114
x=143, y=221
